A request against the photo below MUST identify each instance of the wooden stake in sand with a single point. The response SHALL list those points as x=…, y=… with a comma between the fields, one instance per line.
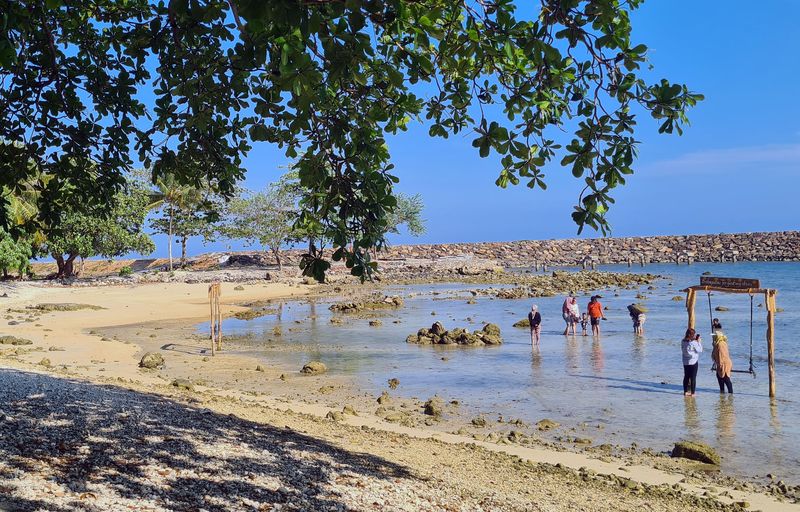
x=214, y=292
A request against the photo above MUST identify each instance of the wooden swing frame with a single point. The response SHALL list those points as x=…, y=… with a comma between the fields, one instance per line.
x=769, y=302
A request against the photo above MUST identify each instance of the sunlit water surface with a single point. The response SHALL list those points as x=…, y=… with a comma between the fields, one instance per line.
x=630, y=385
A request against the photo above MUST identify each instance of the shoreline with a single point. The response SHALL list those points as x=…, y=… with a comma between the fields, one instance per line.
x=174, y=311
x=587, y=253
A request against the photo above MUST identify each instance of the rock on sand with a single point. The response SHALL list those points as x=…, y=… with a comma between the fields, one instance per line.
x=696, y=451
x=152, y=360
x=314, y=368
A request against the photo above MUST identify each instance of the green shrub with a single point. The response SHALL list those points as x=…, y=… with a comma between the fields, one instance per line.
x=125, y=271
x=14, y=255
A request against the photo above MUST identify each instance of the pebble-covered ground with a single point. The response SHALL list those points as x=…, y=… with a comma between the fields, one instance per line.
x=70, y=445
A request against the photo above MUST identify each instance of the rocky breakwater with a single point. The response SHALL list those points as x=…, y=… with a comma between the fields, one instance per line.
x=438, y=335
x=561, y=282
x=771, y=246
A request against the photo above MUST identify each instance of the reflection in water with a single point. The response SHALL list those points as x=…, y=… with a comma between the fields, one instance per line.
x=777, y=456
x=639, y=352
x=726, y=420
x=597, y=356
x=571, y=354
x=691, y=420
x=536, y=362
x=774, y=421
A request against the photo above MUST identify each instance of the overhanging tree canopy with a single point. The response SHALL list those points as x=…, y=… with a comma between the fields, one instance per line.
x=85, y=82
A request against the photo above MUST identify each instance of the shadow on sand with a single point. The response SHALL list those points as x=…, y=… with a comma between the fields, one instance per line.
x=83, y=433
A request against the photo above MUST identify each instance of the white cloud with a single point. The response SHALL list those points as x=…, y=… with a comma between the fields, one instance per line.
x=763, y=158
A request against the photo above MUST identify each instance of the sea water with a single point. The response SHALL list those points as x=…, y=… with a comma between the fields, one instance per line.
x=626, y=388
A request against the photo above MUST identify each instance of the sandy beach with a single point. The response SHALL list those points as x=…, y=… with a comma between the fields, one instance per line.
x=84, y=427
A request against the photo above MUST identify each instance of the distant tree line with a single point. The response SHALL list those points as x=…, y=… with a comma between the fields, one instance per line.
x=268, y=219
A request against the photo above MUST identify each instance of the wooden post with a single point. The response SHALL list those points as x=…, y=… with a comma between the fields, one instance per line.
x=690, y=300
x=770, y=303
x=216, y=316
x=211, y=303
x=219, y=322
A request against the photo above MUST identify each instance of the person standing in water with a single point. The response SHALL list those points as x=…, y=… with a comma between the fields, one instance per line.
x=595, y=311
x=638, y=318
x=570, y=312
x=535, y=320
x=584, y=323
x=721, y=357
x=691, y=347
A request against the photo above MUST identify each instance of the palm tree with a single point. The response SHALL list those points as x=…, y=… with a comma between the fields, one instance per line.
x=173, y=196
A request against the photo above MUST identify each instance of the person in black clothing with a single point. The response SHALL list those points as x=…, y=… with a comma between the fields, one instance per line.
x=535, y=320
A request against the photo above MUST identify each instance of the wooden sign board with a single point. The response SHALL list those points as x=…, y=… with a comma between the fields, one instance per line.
x=729, y=282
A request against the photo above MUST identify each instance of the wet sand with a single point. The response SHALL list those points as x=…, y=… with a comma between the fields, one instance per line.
x=104, y=346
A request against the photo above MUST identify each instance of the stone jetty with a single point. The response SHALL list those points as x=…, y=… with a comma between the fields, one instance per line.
x=775, y=246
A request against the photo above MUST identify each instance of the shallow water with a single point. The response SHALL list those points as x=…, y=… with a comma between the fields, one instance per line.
x=631, y=387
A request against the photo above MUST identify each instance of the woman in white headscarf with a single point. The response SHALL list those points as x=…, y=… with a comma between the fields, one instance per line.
x=571, y=314
x=535, y=319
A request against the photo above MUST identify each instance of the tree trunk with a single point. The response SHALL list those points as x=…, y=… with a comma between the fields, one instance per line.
x=66, y=268
x=277, y=253
x=183, y=251
x=169, y=236
x=5, y=273
x=80, y=267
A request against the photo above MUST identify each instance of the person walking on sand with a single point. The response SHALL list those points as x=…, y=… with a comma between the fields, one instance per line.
x=535, y=320
x=691, y=347
x=595, y=311
x=571, y=313
x=721, y=357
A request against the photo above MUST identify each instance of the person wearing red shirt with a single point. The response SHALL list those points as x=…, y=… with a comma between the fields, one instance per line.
x=595, y=310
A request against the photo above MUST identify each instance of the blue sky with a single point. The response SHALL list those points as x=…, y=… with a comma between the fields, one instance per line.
x=734, y=170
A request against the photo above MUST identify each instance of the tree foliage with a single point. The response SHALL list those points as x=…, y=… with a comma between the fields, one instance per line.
x=408, y=213
x=107, y=232
x=15, y=255
x=184, y=211
x=328, y=80
x=187, y=222
x=266, y=218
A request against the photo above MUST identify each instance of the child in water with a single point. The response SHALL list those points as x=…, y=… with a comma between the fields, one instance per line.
x=584, y=323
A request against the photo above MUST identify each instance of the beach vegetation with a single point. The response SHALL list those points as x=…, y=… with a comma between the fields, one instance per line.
x=15, y=254
x=93, y=88
x=266, y=218
x=407, y=213
x=183, y=210
x=108, y=232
